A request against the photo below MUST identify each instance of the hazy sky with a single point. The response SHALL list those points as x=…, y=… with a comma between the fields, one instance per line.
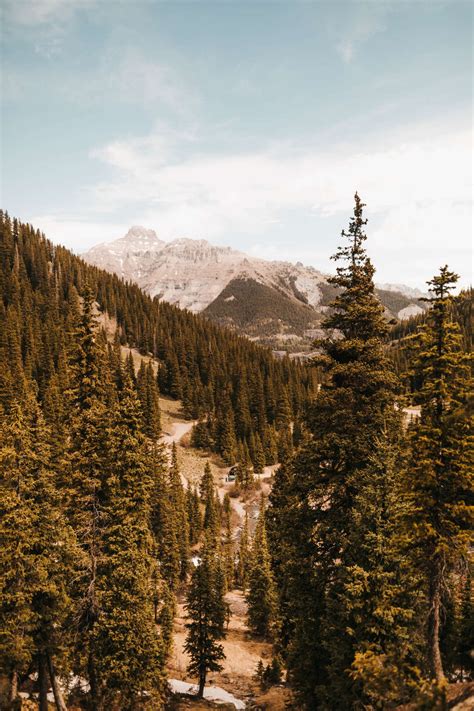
x=247, y=123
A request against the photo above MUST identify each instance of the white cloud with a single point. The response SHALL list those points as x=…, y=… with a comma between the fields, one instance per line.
x=43, y=21
x=365, y=21
x=388, y=173
x=41, y=12
x=71, y=231
x=417, y=186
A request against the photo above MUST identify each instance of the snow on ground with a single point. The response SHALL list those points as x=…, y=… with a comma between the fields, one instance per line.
x=212, y=693
x=242, y=651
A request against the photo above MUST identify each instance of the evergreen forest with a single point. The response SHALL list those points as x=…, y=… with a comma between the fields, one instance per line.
x=354, y=561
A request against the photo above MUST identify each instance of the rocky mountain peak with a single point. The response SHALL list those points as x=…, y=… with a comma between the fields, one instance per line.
x=139, y=232
x=139, y=239
x=193, y=273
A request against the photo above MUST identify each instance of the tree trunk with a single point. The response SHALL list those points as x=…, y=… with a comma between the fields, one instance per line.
x=13, y=688
x=58, y=697
x=202, y=684
x=43, y=682
x=93, y=682
x=433, y=630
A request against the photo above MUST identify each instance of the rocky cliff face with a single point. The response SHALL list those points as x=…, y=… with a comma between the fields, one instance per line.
x=264, y=299
x=192, y=273
x=128, y=256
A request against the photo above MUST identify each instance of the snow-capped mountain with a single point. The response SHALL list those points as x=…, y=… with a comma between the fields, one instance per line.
x=409, y=291
x=192, y=273
x=261, y=298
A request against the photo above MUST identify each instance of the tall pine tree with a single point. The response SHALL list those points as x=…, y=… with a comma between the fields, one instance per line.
x=205, y=627
x=439, y=479
x=317, y=498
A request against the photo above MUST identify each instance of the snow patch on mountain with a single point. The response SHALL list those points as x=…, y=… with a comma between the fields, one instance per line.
x=192, y=273
x=409, y=291
x=408, y=311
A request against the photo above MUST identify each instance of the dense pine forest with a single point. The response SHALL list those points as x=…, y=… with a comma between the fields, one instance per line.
x=403, y=336
x=357, y=567
x=243, y=398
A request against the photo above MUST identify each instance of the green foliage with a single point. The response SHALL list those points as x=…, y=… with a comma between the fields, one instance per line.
x=243, y=561
x=125, y=642
x=261, y=595
x=259, y=309
x=439, y=480
x=335, y=504
x=198, y=360
x=269, y=675
x=210, y=498
x=228, y=555
x=39, y=550
x=403, y=336
x=466, y=629
x=112, y=479
x=194, y=515
x=148, y=394
x=204, y=606
x=180, y=518
x=163, y=519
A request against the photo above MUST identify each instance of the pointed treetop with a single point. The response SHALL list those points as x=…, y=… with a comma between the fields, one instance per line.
x=440, y=286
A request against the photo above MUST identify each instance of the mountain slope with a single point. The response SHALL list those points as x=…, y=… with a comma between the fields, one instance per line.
x=192, y=273
x=260, y=310
x=260, y=298
x=210, y=369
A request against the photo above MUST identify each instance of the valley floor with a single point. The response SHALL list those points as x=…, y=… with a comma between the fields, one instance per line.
x=242, y=650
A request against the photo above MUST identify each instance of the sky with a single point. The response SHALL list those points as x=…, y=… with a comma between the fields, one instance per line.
x=247, y=123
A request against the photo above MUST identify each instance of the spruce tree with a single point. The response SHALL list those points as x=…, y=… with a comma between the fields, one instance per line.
x=204, y=608
x=128, y=649
x=270, y=446
x=259, y=456
x=261, y=595
x=88, y=465
x=206, y=485
x=317, y=496
x=193, y=512
x=38, y=553
x=466, y=630
x=243, y=563
x=439, y=479
x=178, y=506
x=162, y=519
x=149, y=399
x=283, y=411
x=381, y=603
x=228, y=545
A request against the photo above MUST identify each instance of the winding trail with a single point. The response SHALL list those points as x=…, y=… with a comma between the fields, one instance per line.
x=178, y=430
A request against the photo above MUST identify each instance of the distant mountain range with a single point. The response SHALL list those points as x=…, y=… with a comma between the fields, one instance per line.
x=271, y=301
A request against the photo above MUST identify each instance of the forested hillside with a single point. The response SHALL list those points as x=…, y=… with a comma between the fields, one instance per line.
x=244, y=397
x=348, y=567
